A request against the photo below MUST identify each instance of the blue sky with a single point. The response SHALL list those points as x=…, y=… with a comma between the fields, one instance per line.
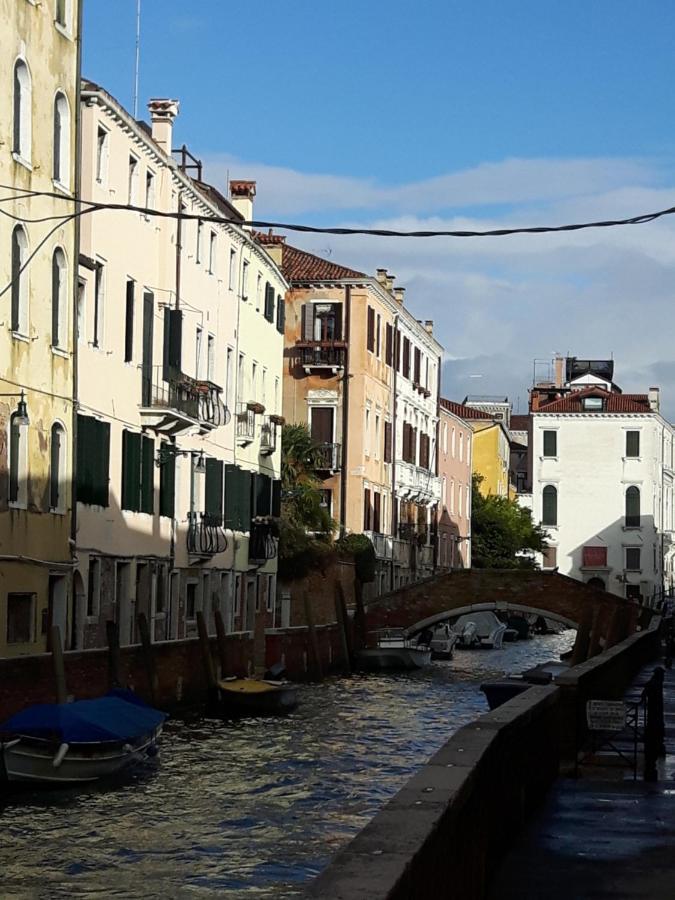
x=443, y=113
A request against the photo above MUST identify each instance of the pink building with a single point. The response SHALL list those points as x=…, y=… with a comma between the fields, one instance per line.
x=455, y=450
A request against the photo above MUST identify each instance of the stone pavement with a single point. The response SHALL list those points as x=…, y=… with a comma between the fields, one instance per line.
x=602, y=835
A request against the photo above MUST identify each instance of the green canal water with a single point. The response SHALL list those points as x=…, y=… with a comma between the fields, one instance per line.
x=252, y=809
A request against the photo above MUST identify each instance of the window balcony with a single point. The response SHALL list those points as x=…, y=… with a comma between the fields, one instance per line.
x=321, y=355
x=327, y=457
x=417, y=483
x=263, y=541
x=244, y=424
x=268, y=436
x=205, y=535
x=179, y=402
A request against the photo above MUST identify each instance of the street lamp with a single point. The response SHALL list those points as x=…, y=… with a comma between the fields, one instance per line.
x=20, y=417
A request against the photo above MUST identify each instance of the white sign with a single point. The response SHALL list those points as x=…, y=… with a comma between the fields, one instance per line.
x=606, y=715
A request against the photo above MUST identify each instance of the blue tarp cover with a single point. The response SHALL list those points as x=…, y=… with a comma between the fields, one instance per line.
x=120, y=716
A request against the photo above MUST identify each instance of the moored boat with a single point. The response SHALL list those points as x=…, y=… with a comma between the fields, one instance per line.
x=443, y=642
x=395, y=651
x=481, y=628
x=252, y=696
x=60, y=743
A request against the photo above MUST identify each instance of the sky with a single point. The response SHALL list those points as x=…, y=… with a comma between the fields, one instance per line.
x=435, y=115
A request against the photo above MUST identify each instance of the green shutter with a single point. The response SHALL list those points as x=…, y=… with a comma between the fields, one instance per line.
x=102, y=465
x=246, y=483
x=167, y=485
x=632, y=443
x=213, y=488
x=147, y=492
x=93, y=460
x=550, y=443
x=276, y=498
x=263, y=495
x=84, y=455
x=230, y=496
x=131, y=470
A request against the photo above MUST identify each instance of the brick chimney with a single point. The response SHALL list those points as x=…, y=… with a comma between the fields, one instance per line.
x=399, y=294
x=654, y=400
x=241, y=195
x=162, y=115
x=274, y=245
x=559, y=371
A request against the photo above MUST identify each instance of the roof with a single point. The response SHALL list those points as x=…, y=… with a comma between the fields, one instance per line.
x=298, y=265
x=614, y=403
x=464, y=412
x=519, y=423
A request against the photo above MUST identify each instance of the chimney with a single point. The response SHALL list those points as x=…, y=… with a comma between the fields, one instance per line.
x=274, y=245
x=162, y=115
x=429, y=326
x=653, y=396
x=559, y=371
x=241, y=195
x=381, y=275
x=399, y=294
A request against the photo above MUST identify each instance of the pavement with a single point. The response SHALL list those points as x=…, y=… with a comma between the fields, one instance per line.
x=602, y=835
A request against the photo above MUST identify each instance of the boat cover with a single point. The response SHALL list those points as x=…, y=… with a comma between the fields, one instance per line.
x=112, y=718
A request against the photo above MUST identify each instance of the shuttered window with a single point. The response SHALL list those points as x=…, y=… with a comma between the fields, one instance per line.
x=137, y=472
x=281, y=314
x=550, y=505
x=424, y=451
x=378, y=329
x=129, y=322
x=213, y=488
x=93, y=461
x=388, y=343
x=406, y=357
x=376, y=511
x=633, y=507
x=370, y=342
x=387, y=442
x=322, y=424
x=147, y=498
x=397, y=351
x=550, y=443
x=367, y=509
x=417, y=366
x=167, y=485
x=269, y=302
x=173, y=341
x=632, y=443
x=237, y=498
x=263, y=495
x=308, y=322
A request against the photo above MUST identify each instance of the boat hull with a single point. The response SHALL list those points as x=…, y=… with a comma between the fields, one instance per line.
x=394, y=658
x=237, y=698
x=498, y=692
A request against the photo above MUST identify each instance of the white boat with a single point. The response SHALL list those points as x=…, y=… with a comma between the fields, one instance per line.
x=479, y=629
x=395, y=651
x=443, y=642
x=78, y=742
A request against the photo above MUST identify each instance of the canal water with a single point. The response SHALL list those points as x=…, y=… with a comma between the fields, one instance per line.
x=253, y=809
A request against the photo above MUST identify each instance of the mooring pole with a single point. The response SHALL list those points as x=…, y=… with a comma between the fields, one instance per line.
x=211, y=684
x=340, y=616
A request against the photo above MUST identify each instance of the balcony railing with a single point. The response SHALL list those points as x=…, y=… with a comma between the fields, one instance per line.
x=245, y=423
x=327, y=457
x=321, y=354
x=388, y=547
x=263, y=541
x=416, y=483
x=180, y=397
x=268, y=437
x=212, y=410
x=205, y=534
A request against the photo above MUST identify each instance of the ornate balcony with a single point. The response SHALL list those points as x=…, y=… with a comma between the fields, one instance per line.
x=205, y=535
x=263, y=541
x=268, y=436
x=244, y=424
x=179, y=402
x=317, y=355
x=327, y=457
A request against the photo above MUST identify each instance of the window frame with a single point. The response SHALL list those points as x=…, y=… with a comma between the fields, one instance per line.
x=549, y=490
x=17, y=463
x=22, y=112
x=632, y=433
x=59, y=336
x=632, y=520
x=549, y=434
x=20, y=313
x=632, y=550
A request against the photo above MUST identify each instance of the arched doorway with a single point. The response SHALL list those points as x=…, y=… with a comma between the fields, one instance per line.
x=597, y=583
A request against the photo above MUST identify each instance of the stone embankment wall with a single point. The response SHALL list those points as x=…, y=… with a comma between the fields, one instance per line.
x=445, y=830
x=178, y=665
x=319, y=588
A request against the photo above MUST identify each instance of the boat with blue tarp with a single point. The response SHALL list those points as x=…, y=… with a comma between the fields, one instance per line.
x=53, y=743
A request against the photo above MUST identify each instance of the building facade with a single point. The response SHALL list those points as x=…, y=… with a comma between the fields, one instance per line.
x=38, y=99
x=602, y=477
x=455, y=460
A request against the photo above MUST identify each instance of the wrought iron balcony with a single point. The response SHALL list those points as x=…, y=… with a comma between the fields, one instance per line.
x=327, y=457
x=212, y=411
x=178, y=402
x=205, y=534
x=321, y=355
x=268, y=436
x=263, y=541
x=244, y=424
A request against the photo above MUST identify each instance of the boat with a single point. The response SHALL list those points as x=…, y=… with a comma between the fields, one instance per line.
x=63, y=743
x=481, y=628
x=395, y=650
x=443, y=642
x=256, y=697
x=498, y=692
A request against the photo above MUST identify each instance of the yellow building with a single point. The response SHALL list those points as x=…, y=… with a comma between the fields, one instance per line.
x=491, y=456
x=38, y=99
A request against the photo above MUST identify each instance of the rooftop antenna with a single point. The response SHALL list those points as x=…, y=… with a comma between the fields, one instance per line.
x=138, y=56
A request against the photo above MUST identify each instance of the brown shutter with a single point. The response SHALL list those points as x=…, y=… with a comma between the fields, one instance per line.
x=378, y=329
x=371, y=329
x=322, y=424
x=376, y=511
x=418, y=365
x=406, y=357
x=387, y=442
x=337, y=312
x=388, y=335
x=366, y=509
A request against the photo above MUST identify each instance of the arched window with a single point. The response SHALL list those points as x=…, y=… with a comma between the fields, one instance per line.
x=61, y=149
x=550, y=505
x=18, y=460
x=21, y=140
x=19, y=312
x=633, y=507
x=59, y=299
x=57, y=488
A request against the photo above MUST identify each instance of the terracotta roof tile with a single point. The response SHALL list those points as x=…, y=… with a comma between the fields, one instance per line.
x=614, y=403
x=464, y=412
x=298, y=265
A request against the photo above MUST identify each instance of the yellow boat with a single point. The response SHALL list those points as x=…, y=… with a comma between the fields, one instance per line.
x=253, y=696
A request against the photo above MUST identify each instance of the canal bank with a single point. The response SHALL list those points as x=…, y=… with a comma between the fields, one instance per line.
x=256, y=807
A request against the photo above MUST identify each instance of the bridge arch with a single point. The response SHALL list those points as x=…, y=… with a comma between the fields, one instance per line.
x=496, y=606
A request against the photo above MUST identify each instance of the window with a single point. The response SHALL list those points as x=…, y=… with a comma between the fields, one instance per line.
x=367, y=509
x=258, y=293
x=594, y=556
x=370, y=336
x=212, y=253
x=198, y=351
x=452, y=443
x=149, y=190
x=132, y=192
x=18, y=462
x=167, y=482
x=281, y=314
x=593, y=404
x=366, y=436
x=461, y=446
x=376, y=511
x=21, y=134
x=233, y=269
x=59, y=299
x=61, y=148
x=550, y=558
x=406, y=358
x=229, y=382
x=387, y=442
x=632, y=443
x=269, y=302
x=633, y=507
x=19, y=301
x=81, y=309
x=62, y=13
x=138, y=453
x=244, y=281
x=417, y=366
x=191, y=600
x=210, y=358
x=57, y=469
x=93, y=586
x=20, y=618
x=93, y=461
x=99, y=293
x=101, y=155
x=550, y=443
x=633, y=559
x=378, y=329
x=550, y=505
x=129, y=321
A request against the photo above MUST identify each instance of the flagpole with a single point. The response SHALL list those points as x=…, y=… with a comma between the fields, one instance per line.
x=138, y=56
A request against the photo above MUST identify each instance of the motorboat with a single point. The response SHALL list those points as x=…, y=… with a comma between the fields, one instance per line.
x=56, y=743
x=443, y=642
x=498, y=692
x=395, y=650
x=481, y=628
x=257, y=696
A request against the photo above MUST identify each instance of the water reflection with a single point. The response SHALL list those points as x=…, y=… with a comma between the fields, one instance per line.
x=253, y=808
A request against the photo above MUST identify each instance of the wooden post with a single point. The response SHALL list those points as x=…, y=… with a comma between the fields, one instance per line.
x=148, y=657
x=59, y=666
x=342, y=628
x=309, y=616
x=211, y=684
x=113, y=635
x=222, y=644
x=580, y=650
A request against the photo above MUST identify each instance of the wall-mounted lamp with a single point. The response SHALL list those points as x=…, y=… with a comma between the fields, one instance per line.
x=21, y=414
x=199, y=462
x=166, y=453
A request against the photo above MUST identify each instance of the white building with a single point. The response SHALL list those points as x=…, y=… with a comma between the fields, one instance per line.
x=602, y=475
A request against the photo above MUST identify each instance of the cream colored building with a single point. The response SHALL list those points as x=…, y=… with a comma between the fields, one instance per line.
x=174, y=483
x=38, y=98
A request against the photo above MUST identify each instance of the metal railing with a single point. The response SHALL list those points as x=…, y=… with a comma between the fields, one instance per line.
x=268, y=437
x=196, y=399
x=262, y=542
x=245, y=423
x=205, y=535
x=212, y=410
x=327, y=457
x=321, y=354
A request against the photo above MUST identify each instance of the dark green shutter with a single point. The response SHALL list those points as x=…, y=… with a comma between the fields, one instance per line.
x=56, y=290
x=213, y=488
x=147, y=475
x=129, y=322
x=173, y=341
x=281, y=314
x=103, y=464
x=550, y=505
x=230, y=496
x=54, y=467
x=276, y=498
x=263, y=496
x=167, y=485
x=632, y=443
x=550, y=443
x=131, y=470
x=245, y=482
x=93, y=460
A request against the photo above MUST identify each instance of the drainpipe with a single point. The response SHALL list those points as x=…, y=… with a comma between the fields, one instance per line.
x=394, y=361
x=345, y=414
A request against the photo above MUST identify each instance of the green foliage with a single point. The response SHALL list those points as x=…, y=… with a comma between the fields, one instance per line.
x=361, y=548
x=500, y=529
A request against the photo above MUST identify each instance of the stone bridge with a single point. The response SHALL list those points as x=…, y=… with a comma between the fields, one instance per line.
x=549, y=594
